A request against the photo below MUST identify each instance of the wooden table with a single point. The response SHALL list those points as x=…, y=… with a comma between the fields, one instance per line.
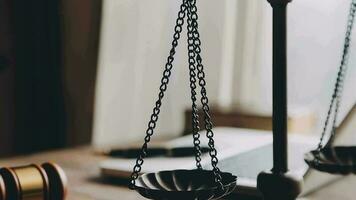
x=81, y=167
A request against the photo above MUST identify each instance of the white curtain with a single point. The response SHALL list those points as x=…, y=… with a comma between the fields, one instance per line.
x=316, y=37
x=135, y=41
x=236, y=37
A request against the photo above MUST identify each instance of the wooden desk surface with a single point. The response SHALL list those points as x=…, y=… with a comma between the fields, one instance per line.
x=81, y=167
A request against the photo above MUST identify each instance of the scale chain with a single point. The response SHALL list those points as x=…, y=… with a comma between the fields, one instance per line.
x=163, y=87
x=193, y=86
x=196, y=70
x=338, y=89
x=344, y=61
x=193, y=16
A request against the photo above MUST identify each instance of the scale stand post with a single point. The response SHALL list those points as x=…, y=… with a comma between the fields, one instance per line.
x=278, y=183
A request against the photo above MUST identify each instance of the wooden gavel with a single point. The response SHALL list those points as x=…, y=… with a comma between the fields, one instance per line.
x=33, y=182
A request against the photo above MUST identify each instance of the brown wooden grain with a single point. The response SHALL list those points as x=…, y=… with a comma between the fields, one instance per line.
x=81, y=167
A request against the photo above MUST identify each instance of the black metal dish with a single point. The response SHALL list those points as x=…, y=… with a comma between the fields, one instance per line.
x=184, y=184
x=334, y=160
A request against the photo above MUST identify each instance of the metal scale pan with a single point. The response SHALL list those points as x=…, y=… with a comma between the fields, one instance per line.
x=334, y=160
x=184, y=184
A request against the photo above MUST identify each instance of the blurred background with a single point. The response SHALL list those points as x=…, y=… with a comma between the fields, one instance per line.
x=76, y=72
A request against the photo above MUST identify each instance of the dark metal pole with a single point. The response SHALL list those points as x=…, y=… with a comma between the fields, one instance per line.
x=279, y=184
x=280, y=143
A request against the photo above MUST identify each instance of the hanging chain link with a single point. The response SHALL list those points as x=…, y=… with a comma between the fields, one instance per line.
x=193, y=87
x=338, y=89
x=196, y=74
x=193, y=19
x=163, y=87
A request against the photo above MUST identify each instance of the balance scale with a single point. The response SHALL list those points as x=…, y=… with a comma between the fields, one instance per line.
x=277, y=183
x=49, y=182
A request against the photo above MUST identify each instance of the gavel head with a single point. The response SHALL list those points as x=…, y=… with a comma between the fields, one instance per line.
x=33, y=182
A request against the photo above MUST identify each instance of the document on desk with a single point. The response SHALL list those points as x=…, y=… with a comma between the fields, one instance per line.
x=228, y=142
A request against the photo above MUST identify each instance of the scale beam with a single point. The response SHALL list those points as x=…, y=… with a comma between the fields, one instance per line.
x=279, y=184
